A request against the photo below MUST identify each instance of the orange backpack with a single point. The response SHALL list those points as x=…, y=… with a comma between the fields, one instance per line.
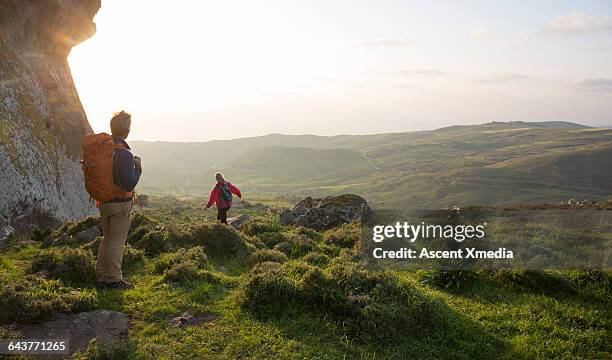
x=98, y=154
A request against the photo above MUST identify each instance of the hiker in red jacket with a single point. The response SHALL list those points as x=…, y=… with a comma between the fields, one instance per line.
x=221, y=195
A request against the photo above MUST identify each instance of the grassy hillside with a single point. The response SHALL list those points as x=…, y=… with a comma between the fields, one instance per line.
x=479, y=164
x=314, y=300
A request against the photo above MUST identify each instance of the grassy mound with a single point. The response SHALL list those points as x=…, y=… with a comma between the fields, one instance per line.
x=218, y=240
x=259, y=226
x=31, y=299
x=345, y=236
x=195, y=254
x=365, y=305
x=189, y=271
x=147, y=234
x=132, y=258
x=72, y=265
x=264, y=255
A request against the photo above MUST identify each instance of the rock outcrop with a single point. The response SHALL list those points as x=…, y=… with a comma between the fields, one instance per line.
x=42, y=121
x=327, y=212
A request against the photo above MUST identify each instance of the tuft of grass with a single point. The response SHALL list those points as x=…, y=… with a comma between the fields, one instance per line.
x=72, y=265
x=267, y=255
x=259, y=226
x=344, y=236
x=218, y=240
x=31, y=299
x=366, y=305
x=195, y=254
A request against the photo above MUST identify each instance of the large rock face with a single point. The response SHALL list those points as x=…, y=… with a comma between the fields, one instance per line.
x=42, y=121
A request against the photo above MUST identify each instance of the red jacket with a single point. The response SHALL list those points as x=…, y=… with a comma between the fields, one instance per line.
x=215, y=196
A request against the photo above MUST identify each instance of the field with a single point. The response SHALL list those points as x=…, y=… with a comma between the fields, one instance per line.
x=269, y=291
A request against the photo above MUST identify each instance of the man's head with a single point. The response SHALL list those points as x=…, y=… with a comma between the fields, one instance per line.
x=120, y=124
x=219, y=177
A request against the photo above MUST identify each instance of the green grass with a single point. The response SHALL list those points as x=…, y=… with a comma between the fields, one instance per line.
x=499, y=315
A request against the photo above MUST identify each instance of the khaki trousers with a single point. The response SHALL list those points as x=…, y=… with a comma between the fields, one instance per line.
x=115, y=218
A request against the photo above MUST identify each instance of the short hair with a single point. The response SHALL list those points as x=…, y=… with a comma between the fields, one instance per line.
x=219, y=177
x=120, y=123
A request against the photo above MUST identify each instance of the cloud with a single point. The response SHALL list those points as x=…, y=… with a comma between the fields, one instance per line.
x=502, y=77
x=420, y=72
x=578, y=24
x=386, y=43
x=597, y=85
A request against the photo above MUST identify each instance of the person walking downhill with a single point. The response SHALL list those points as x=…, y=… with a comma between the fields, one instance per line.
x=111, y=174
x=221, y=196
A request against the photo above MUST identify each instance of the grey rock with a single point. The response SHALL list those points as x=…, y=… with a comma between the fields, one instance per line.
x=301, y=221
x=43, y=121
x=287, y=217
x=237, y=221
x=328, y=212
x=79, y=329
x=6, y=230
x=88, y=234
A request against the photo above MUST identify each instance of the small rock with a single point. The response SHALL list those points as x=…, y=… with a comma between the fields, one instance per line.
x=237, y=221
x=189, y=320
x=79, y=329
x=88, y=234
x=43, y=274
x=222, y=269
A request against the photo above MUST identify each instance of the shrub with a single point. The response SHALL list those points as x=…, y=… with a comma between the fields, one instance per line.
x=217, y=239
x=195, y=254
x=300, y=245
x=268, y=289
x=32, y=299
x=316, y=258
x=74, y=266
x=284, y=247
x=152, y=242
x=366, y=305
x=308, y=233
x=132, y=258
x=259, y=226
x=345, y=236
x=270, y=239
x=264, y=255
x=188, y=271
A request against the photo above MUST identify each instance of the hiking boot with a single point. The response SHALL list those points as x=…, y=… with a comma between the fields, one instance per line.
x=121, y=284
x=101, y=285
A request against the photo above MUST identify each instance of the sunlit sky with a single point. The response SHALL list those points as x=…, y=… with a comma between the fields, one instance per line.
x=202, y=70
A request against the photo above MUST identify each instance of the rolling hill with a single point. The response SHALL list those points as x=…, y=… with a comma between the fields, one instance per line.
x=492, y=163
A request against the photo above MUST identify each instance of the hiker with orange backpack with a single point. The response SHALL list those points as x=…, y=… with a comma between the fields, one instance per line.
x=111, y=174
x=221, y=196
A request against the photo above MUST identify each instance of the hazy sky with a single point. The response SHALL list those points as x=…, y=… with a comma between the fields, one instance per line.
x=201, y=70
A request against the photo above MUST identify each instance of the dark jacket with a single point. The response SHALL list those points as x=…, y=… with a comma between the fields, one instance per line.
x=125, y=173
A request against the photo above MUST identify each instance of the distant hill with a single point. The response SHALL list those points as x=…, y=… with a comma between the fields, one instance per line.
x=492, y=163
